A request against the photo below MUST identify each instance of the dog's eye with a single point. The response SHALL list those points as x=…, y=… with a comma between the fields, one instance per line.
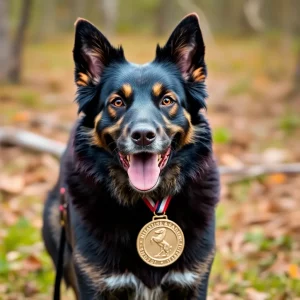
x=118, y=102
x=166, y=101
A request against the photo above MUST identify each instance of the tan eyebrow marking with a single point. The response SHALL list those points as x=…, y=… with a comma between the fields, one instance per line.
x=157, y=89
x=127, y=90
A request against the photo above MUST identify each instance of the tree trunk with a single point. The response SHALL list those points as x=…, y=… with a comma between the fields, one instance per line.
x=110, y=15
x=5, y=62
x=18, y=45
x=162, y=18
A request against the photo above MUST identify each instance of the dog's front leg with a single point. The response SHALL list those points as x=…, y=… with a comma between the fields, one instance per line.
x=202, y=288
x=86, y=287
x=86, y=292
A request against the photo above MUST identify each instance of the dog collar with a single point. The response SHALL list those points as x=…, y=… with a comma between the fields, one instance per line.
x=160, y=207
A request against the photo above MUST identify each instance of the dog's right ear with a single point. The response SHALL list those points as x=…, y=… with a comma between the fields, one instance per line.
x=92, y=53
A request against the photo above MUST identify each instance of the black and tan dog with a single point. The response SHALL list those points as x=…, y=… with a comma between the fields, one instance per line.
x=142, y=133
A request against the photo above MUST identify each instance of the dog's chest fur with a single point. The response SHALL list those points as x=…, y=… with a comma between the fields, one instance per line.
x=106, y=235
x=141, y=292
x=129, y=284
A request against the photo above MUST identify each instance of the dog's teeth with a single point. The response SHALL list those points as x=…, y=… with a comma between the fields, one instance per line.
x=128, y=157
x=159, y=157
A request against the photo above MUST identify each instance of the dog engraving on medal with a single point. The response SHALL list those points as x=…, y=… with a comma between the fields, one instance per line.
x=160, y=242
x=159, y=239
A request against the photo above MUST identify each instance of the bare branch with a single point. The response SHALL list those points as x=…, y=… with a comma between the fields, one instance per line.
x=29, y=140
x=257, y=170
x=246, y=173
x=32, y=141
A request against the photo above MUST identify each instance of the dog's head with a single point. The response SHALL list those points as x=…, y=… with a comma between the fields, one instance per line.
x=142, y=130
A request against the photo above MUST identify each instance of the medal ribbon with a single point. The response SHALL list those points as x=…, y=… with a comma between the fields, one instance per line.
x=160, y=207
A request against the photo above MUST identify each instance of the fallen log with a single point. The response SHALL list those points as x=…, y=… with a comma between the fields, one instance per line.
x=36, y=142
x=30, y=140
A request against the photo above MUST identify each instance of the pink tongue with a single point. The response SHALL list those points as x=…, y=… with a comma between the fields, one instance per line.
x=143, y=171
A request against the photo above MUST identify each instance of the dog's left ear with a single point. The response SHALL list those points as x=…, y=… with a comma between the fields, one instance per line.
x=186, y=49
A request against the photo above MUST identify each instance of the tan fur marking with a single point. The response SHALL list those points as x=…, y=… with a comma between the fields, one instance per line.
x=127, y=90
x=97, y=119
x=190, y=135
x=83, y=77
x=112, y=129
x=186, y=138
x=81, y=83
x=172, y=127
x=95, y=274
x=157, y=89
x=111, y=112
x=96, y=140
x=99, y=140
x=198, y=75
x=173, y=110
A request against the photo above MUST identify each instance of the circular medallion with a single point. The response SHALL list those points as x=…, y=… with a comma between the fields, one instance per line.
x=160, y=242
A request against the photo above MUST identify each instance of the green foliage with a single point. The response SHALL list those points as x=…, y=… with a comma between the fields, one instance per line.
x=21, y=239
x=20, y=234
x=240, y=87
x=289, y=122
x=29, y=98
x=221, y=135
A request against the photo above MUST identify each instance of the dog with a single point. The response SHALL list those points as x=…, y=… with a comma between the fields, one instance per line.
x=142, y=132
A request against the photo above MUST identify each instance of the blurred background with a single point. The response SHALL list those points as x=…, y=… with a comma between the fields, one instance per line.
x=253, y=57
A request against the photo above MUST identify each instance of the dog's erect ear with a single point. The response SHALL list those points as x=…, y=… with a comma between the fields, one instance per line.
x=92, y=53
x=185, y=48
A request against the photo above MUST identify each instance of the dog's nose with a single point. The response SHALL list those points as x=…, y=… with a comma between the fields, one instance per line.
x=143, y=136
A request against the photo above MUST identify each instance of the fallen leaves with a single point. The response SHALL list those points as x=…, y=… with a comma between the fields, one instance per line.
x=294, y=271
x=12, y=184
x=258, y=220
x=31, y=264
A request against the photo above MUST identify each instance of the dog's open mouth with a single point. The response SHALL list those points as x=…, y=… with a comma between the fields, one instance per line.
x=144, y=168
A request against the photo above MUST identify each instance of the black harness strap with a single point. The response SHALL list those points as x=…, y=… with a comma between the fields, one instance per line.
x=62, y=242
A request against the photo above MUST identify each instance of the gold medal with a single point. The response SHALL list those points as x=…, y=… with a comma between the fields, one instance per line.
x=160, y=242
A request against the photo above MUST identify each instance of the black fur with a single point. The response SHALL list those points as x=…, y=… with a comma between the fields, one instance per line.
x=106, y=210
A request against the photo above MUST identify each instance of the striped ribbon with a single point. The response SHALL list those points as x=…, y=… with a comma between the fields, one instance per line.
x=160, y=207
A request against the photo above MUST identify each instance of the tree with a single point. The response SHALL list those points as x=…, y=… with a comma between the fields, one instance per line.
x=5, y=59
x=11, y=52
x=18, y=45
x=110, y=15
